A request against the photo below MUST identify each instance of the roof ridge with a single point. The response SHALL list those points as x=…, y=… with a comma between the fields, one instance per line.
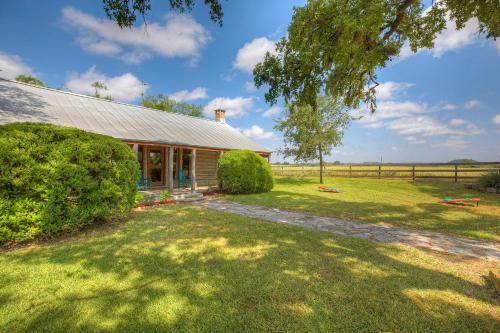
x=106, y=100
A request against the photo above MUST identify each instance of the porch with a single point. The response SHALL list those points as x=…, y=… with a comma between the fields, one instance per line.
x=176, y=168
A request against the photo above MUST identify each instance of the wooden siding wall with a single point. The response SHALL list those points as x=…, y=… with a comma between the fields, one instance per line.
x=206, y=167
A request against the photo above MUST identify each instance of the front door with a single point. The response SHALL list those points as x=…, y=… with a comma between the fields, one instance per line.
x=156, y=168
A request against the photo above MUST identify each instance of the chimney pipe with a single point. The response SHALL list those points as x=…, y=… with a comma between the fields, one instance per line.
x=220, y=115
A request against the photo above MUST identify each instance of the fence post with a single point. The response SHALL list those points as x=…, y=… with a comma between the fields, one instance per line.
x=282, y=171
x=456, y=173
x=302, y=171
x=413, y=172
x=350, y=170
x=379, y=170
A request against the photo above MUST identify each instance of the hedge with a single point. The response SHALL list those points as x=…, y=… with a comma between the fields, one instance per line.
x=244, y=171
x=55, y=179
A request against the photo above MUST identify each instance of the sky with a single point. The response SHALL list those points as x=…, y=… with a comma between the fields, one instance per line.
x=433, y=106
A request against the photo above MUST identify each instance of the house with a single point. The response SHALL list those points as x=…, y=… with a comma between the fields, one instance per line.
x=169, y=147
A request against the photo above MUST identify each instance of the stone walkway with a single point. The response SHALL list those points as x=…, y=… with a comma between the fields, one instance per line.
x=377, y=232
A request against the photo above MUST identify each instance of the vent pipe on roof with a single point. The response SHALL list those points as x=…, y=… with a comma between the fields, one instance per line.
x=220, y=115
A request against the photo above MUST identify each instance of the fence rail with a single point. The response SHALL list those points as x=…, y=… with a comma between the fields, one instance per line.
x=415, y=171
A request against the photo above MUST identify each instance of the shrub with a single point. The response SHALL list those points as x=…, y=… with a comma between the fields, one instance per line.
x=491, y=179
x=148, y=200
x=58, y=179
x=165, y=195
x=243, y=171
x=138, y=198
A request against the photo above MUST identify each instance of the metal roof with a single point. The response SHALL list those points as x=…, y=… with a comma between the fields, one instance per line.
x=20, y=102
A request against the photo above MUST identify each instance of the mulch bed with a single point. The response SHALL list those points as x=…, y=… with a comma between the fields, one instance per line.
x=166, y=202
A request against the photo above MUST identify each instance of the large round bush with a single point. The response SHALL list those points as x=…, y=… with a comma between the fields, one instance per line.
x=56, y=179
x=243, y=171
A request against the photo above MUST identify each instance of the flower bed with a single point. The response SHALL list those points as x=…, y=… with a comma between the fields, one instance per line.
x=153, y=204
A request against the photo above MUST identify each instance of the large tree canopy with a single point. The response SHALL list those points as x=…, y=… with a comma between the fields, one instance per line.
x=124, y=12
x=337, y=46
x=163, y=103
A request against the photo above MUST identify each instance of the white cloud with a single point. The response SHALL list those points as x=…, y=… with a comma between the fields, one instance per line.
x=99, y=46
x=472, y=104
x=415, y=141
x=446, y=106
x=252, y=53
x=394, y=148
x=457, y=122
x=272, y=111
x=186, y=95
x=496, y=119
x=179, y=36
x=421, y=125
x=430, y=126
x=409, y=118
x=250, y=87
x=389, y=110
x=453, y=143
x=12, y=65
x=388, y=90
x=234, y=107
x=125, y=88
x=258, y=133
x=450, y=39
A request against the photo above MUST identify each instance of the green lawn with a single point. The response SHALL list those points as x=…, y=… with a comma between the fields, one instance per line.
x=403, y=203
x=183, y=268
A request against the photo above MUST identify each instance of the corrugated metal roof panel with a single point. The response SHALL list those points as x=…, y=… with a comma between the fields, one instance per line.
x=21, y=102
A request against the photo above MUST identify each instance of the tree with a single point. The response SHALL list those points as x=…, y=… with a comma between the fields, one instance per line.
x=124, y=12
x=163, y=103
x=30, y=79
x=311, y=131
x=98, y=85
x=337, y=46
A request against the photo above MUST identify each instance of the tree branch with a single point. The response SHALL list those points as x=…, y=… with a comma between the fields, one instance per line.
x=400, y=14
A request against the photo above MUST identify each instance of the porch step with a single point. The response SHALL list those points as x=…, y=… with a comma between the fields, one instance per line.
x=187, y=196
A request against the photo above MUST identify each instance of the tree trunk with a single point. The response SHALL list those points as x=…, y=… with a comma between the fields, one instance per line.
x=320, y=165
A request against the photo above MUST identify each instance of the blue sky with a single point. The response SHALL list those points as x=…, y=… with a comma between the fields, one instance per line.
x=434, y=106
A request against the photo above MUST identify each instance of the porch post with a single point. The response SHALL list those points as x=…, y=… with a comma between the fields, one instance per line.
x=165, y=166
x=145, y=161
x=193, y=169
x=221, y=153
x=135, y=149
x=171, y=168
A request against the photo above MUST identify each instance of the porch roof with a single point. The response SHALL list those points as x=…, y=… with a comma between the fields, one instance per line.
x=20, y=102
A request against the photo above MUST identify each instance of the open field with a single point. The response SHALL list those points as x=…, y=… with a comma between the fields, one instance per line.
x=183, y=268
x=462, y=172
x=399, y=202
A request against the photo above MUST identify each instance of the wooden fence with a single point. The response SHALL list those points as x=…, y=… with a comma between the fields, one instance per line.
x=454, y=172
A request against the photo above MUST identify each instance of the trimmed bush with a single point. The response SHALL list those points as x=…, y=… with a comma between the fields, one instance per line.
x=56, y=179
x=244, y=171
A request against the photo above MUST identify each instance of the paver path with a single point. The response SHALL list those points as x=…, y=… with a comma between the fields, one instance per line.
x=377, y=232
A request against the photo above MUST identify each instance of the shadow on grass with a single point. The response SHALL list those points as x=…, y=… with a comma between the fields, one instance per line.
x=186, y=269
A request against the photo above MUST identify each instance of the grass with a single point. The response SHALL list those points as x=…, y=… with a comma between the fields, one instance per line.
x=403, y=203
x=182, y=268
